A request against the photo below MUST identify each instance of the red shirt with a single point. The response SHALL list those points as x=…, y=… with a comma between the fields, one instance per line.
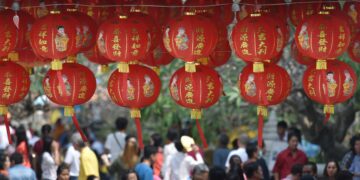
x=285, y=160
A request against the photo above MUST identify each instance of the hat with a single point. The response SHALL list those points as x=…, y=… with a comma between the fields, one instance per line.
x=187, y=142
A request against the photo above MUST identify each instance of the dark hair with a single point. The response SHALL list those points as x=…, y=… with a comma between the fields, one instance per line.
x=250, y=169
x=234, y=144
x=223, y=140
x=327, y=164
x=157, y=139
x=233, y=163
x=216, y=173
x=45, y=129
x=47, y=144
x=2, y=159
x=353, y=141
x=148, y=151
x=292, y=134
x=21, y=135
x=282, y=124
x=251, y=148
x=313, y=166
x=17, y=158
x=61, y=168
x=172, y=134
x=296, y=169
x=235, y=174
x=179, y=147
x=293, y=131
x=307, y=177
x=344, y=175
x=128, y=137
x=199, y=169
x=121, y=123
x=126, y=175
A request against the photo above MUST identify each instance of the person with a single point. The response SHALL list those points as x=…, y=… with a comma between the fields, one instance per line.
x=59, y=129
x=289, y=157
x=50, y=159
x=252, y=151
x=4, y=163
x=181, y=164
x=169, y=148
x=89, y=165
x=216, y=173
x=253, y=171
x=38, y=148
x=344, y=175
x=200, y=172
x=235, y=170
x=115, y=142
x=351, y=160
x=156, y=140
x=72, y=159
x=127, y=160
x=130, y=175
x=281, y=129
x=4, y=142
x=241, y=151
x=331, y=170
x=221, y=153
x=143, y=169
x=310, y=168
x=22, y=146
x=63, y=172
x=295, y=173
x=18, y=171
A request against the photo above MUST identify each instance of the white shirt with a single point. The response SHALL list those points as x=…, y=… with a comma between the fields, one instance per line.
x=169, y=150
x=181, y=165
x=3, y=136
x=116, y=147
x=72, y=158
x=241, y=152
x=48, y=167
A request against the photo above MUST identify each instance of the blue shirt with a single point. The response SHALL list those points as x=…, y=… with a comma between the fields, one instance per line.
x=355, y=167
x=20, y=172
x=144, y=171
x=219, y=157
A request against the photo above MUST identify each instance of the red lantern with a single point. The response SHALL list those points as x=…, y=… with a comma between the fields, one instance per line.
x=334, y=85
x=263, y=6
x=157, y=57
x=8, y=35
x=28, y=59
x=264, y=89
x=190, y=38
x=258, y=39
x=54, y=37
x=300, y=58
x=354, y=49
x=352, y=9
x=73, y=85
x=94, y=56
x=135, y=90
x=196, y=91
x=14, y=86
x=300, y=10
x=96, y=11
x=322, y=36
x=123, y=39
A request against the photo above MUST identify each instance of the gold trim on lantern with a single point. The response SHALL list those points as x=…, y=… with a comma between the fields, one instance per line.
x=324, y=12
x=123, y=17
x=123, y=67
x=203, y=61
x=321, y=64
x=3, y=109
x=255, y=14
x=190, y=67
x=71, y=10
x=71, y=59
x=55, y=12
x=156, y=69
x=69, y=111
x=135, y=113
x=262, y=110
x=13, y=56
x=133, y=62
x=196, y=114
x=189, y=13
x=329, y=109
x=104, y=68
x=258, y=67
x=56, y=65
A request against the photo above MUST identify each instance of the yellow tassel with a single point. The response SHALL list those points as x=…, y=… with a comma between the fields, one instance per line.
x=3, y=110
x=258, y=67
x=123, y=67
x=196, y=114
x=68, y=111
x=135, y=113
x=190, y=67
x=203, y=61
x=104, y=69
x=71, y=59
x=56, y=65
x=262, y=110
x=156, y=69
x=13, y=56
x=329, y=109
x=321, y=64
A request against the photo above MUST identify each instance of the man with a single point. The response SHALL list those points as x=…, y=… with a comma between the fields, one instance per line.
x=72, y=159
x=38, y=148
x=351, y=160
x=221, y=153
x=289, y=157
x=89, y=167
x=253, y=154
x=115, y=142
x=253, y=171
x=19, y=171
x=200, y=172
x=282, y=130
x=143, y=169
x=181, y=164
x=296, y=172
x=240, y=151
x=310, y=168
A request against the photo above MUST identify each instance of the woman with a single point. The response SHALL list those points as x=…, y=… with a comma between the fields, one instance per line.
x=63, y=172
x=235, y=171
x=331, y=170
x=22, y=146
x=127, y=160
x=50, y=159
x=130, y=175
x=156, y=140
x=4, y=164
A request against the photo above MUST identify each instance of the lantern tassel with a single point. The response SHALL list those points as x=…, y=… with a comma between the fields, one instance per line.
x=104, y=69
x=201, y=134
x=327, y=117
x=135, y=113
x=328, y=110
x=258, y=67
x=190, y=67
x=321, y=64
x=260, y=130
x=78, y=128
x=196, y=114
x=139, y=132
x=69, y=111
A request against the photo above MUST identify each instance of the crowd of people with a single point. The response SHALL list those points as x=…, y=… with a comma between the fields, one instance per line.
x=52, y=157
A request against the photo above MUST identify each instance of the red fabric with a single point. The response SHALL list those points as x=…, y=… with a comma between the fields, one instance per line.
x=23, y=150
x=38, y=147
x=158, y=162
x=285, y=161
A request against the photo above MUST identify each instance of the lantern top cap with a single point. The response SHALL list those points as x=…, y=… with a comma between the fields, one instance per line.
x=123, y=17
x=190, y=13
x=328, y=7
x=55, y=12
x=135, y=10
x=71, y=10
x=255, y=14
x=324, y=12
